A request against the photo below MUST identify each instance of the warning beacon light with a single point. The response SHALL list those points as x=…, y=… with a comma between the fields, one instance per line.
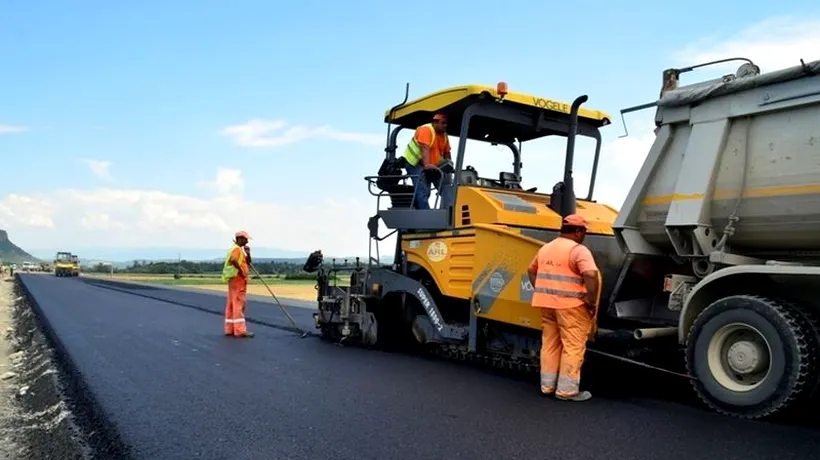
x=501, y=89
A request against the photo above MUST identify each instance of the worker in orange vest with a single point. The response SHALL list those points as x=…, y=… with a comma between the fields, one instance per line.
x=566, y=282
x=428, y=158
x=235, y=273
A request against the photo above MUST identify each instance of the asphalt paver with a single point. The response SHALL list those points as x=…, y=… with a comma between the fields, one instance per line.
x=174, y=387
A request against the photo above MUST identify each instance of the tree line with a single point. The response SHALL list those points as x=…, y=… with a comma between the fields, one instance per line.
x=286, y=270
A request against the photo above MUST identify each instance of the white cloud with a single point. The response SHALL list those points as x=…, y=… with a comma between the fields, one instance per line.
x=12, y=129
x=276, y=133
x=25, y=210
x=99, y=221
x=228, y=181
x=100, y=168
x=772, y=44
x=112, y=217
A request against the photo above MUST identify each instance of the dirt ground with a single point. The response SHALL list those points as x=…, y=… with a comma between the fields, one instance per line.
x=9, y=411
x=36, y=421
x=294, y=291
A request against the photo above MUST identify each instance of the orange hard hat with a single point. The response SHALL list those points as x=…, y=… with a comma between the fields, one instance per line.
x=575, y=220
x=242, y=233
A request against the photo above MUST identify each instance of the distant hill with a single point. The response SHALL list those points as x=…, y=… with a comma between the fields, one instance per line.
x=10, y=253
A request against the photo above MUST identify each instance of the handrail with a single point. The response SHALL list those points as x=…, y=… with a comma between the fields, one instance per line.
x=372, y=180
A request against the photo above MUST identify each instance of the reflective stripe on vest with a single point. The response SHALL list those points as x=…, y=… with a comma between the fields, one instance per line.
x=556, y=283
x=413, y=153
x=228, y=270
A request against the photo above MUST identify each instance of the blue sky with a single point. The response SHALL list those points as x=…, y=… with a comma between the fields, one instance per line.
x=148, y=86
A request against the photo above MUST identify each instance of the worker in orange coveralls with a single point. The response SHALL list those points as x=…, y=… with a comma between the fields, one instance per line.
x=235, y=273
x=566, y=280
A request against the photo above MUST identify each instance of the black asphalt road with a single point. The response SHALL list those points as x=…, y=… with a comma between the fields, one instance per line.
x=175, y=388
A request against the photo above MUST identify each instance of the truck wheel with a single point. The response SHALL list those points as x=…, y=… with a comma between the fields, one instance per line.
x=810, y=316
x=751, y=356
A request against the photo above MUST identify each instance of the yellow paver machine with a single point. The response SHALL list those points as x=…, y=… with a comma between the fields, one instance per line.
x=458, y=282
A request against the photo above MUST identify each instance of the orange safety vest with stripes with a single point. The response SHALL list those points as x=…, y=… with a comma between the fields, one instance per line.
x=413, y=153
x=557, y=284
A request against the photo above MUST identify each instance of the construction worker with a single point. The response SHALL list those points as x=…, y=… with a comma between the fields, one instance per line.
x=428, y=157
x=235, y=272
x=565, y=281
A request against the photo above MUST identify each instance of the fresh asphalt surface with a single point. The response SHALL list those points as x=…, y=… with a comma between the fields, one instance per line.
x=176, y=388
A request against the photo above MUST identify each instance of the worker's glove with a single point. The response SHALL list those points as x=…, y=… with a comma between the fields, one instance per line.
x=447, y=167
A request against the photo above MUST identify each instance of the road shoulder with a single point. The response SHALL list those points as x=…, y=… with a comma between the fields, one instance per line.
x=35, y=420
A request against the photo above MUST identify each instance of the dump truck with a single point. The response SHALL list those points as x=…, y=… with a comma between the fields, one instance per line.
x=63, y=264
x=726, y=207
x=714, y=256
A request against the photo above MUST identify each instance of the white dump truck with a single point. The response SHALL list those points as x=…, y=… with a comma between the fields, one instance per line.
x=725, y=216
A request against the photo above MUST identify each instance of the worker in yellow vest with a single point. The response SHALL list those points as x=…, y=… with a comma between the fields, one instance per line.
x=566, y=283
x=235, y=272
x=428, y=159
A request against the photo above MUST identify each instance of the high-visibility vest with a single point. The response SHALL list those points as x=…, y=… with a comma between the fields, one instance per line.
x=557, y=285
x=228, y=270
x=413, y=153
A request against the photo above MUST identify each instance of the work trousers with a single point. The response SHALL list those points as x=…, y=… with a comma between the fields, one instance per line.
x=441, y=180
x=564, y=334
x=235, y=306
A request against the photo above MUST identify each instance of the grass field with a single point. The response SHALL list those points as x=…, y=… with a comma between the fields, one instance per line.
x=289, y=289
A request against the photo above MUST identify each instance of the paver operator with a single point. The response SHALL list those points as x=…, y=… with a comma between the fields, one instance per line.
x=428, y=157
x=565, y=281
x=235, y=272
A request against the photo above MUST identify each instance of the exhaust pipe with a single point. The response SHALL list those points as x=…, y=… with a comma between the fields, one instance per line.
x=654, y=332
x=618, y=335
x=568, y=204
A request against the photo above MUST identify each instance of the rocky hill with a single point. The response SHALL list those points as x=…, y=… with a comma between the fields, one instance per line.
x=10, y=253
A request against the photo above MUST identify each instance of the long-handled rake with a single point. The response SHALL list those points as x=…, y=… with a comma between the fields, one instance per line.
x=282, y=307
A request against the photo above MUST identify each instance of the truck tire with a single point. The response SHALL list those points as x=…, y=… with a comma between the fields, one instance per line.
x=811, y=317
x=751, y=356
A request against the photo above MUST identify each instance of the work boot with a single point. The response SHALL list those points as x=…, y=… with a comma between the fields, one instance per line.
x=548, y=392
x=246, y=335
x=582, y=396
